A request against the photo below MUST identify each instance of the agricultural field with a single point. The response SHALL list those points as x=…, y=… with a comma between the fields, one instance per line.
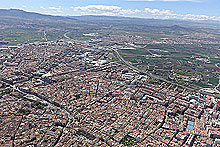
x=190, y=65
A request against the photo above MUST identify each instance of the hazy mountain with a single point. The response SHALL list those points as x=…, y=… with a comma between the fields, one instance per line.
x=14, y=22
x=20, y=17
x=20, y=14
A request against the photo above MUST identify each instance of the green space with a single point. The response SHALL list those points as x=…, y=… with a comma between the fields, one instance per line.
x=201, y=84
x=152, y=61
x=215, y=60
x=79, y=36
x=128, y=141
x=133, y=61
x=138, y=51
x=18, y=36
x=114, y=57
x=179, y=58
x=38, y=105
x=24, y=111
x=35, y=104
x=213, y=81
x=182, y=54
x=131, y=58
x=5, y=91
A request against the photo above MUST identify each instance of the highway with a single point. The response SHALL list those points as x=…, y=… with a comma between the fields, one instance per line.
x=45, y=49
x=154, y=76
x=65, y=35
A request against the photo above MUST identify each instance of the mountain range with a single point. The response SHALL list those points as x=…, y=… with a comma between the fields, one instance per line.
x=14, y=22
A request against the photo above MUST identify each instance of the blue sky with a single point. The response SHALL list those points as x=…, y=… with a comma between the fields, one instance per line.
x=166, y=9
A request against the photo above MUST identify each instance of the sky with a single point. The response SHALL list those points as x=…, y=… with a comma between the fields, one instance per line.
x=162, y=9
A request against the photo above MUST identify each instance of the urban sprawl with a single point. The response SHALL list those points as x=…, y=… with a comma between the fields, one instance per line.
x=72, y=93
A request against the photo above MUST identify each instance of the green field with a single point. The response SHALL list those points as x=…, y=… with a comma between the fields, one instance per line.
x=214, y=81
x=201, y=84
x=138, y=51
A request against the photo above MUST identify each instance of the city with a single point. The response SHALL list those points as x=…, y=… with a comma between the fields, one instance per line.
x=108, y=77
x=64, y=93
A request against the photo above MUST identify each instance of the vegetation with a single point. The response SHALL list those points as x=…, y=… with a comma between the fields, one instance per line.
x=213, y=81
x=24, y=111
x=38, y=105
x=35, y=104
x=194, y=59
x=5, y=91
x=138, y=51
x=128, y=141
x=201, y=84
x=215, y=60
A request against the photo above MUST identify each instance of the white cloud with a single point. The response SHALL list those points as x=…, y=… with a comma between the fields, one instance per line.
x=106, y=10
x=157, y=11
x=98, y=8
x=55, y=9
x=42, y=7
x=171, y=15
x=146, y=13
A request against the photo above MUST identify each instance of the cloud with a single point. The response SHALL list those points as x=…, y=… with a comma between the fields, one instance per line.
x=200, y=17
x=170, y=14
x=42, y=7
x=98, y=8
x=106, y=10
x=146, y=13
x=55, y=9
x=157, y=11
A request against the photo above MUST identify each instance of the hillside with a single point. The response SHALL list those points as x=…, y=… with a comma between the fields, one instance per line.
x=18, y=26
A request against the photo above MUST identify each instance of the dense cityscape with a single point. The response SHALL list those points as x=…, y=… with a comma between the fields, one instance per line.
x=82, y=93
x=103, y=73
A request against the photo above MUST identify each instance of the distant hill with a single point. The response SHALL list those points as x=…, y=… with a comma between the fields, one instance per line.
x=17, y=26
x=140, y=24
x=16, y=13
x=15, y=16
x=152, y=22
x=132, y=20
x=20, y=16
x=15, y=23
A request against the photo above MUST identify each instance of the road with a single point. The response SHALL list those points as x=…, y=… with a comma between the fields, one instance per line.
x=45, y=36
x=4, y=67
x=45, y=49
x=65, y=35
x=156, y=77
x=71, y=114
x=146, y=73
